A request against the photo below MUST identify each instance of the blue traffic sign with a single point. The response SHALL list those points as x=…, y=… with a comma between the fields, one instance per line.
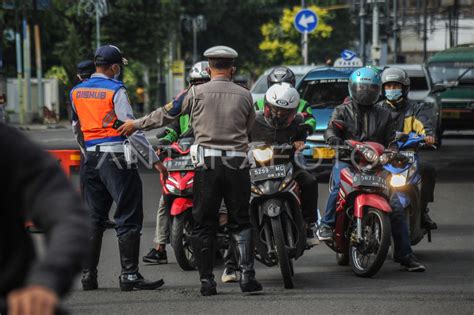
x=306, y=21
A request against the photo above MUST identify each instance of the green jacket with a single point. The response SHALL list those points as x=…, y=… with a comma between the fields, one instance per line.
x=303, y=108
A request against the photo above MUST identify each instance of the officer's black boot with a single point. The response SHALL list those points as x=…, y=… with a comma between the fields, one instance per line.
x=245, y=252
x=205, y=251
x=129, y=246
x=89, y=274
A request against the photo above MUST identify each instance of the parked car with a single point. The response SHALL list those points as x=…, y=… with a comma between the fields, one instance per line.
x=323, y=88
x=260, y=87
x=452, y=72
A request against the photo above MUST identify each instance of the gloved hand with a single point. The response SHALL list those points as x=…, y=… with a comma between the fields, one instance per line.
x=335, y=141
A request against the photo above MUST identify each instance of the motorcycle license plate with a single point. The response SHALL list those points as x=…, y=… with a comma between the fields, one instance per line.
x=370, y=181
x=268, y=172
x=323, y=153
x=409, y=154
x=179, y=164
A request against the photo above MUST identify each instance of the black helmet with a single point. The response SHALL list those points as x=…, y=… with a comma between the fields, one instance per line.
x=281, y=74
x=85, y=69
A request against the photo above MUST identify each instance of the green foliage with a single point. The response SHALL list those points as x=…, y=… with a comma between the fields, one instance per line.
x=57, y=72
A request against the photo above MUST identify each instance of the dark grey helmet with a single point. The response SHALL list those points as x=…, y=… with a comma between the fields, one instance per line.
x=280, y=75
x=396, y=75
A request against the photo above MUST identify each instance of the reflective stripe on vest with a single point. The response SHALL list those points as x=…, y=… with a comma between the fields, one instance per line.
x=93, y=101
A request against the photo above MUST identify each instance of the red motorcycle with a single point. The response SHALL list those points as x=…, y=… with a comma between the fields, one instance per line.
x=177, y=194
x=362, y=233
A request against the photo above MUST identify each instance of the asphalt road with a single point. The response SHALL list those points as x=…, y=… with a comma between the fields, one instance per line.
x=321, y=286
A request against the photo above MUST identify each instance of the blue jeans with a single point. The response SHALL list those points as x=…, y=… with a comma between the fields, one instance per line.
x=329, y=217
x=401, y=238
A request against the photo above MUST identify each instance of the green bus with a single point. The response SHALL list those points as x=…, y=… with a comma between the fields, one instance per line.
x=452, y=73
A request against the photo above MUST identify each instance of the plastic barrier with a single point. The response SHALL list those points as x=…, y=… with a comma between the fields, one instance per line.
x=66, y=159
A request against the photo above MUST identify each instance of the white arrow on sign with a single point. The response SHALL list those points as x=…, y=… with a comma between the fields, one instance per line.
x=305, y=20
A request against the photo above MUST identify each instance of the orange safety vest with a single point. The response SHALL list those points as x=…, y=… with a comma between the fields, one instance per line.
x=94, y=106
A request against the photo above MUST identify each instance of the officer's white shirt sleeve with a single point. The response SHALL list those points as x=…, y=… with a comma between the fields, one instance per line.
x=124, y=111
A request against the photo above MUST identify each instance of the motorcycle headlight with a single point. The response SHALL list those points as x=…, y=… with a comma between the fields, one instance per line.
x=398, y=180
x=172, y=189
x=254, y=188
x=369, y=154
x=287, y=180
x=263, y=155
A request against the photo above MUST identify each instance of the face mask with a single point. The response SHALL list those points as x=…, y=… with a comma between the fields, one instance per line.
x=393, y=95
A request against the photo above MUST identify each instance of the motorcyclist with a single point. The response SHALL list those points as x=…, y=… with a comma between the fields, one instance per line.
x=197, y=75
x=409, y=117
x=284, y=74
x=280, y=123
x=362, y=121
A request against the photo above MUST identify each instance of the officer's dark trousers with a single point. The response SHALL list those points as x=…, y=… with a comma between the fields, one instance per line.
x=309, y=194
x=223, y=179
x=107, y=179
x=428, y=182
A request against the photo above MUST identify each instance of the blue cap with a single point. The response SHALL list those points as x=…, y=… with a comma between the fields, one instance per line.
x=85, y=67
x=108, y=55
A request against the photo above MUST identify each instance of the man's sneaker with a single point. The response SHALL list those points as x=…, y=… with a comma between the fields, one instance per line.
x=325, y=233
x=311, y=237
x=156, y=257
x=410, y=263
x=229, y=275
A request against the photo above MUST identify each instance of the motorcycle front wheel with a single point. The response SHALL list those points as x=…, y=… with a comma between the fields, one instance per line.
x=282, y=254
x=180, y=231
x=368, y=255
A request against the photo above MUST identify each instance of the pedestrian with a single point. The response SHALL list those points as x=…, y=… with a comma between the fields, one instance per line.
x=100, y=104
x=222, y=116
x=34, y=187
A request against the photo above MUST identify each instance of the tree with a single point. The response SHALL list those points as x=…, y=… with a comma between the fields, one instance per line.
x=281, y=41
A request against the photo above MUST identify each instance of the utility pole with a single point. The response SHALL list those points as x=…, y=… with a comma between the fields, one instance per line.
x=375, y=33
x=39, y=70
x=27, y=64
x=362, y=15
x=19, y=66
x=395, y=32
x=425, y=26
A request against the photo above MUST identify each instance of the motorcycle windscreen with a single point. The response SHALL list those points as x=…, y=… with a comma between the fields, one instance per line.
x=370, y=200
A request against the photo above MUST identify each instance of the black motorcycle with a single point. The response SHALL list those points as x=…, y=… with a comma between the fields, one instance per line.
x=275, y=210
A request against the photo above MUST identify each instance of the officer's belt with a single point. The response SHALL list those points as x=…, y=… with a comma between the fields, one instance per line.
x=216, y=152
x=106, y=148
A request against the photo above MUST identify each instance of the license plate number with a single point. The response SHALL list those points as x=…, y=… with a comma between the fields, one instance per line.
x=409, y=154
x=323, y=153
x=179, y=164
x=268, y=172
x=370, y=181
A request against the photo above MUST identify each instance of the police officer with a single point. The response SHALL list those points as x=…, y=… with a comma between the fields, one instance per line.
x=222, y=116
x=100, y=104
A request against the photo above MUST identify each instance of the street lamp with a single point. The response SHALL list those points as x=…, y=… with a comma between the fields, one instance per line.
x=194, y=24
x=91, y=8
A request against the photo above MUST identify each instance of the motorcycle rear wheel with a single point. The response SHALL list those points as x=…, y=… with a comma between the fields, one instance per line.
x=377, y=233
x=282, y=254
x=181, y=227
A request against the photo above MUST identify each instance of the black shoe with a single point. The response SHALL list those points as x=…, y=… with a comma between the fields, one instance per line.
x=129, y=282
x=89, y=280
x=156, y=257
x=411, y=264
x=248, y=283
x=311, y=237
x=208, y=287
x=427, y=223
x=325, y=233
